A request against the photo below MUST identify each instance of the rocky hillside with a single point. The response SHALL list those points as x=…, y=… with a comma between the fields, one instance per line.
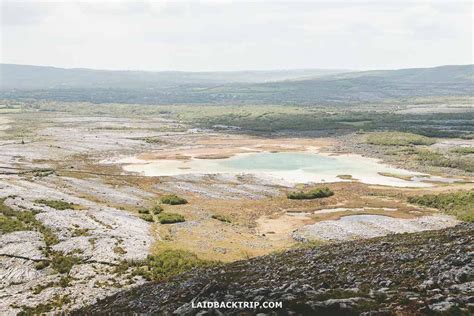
x=425, y=273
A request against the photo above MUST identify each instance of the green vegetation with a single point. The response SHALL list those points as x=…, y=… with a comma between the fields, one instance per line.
x=41, y=265
x=170, y=218
x=437, y=159
x=119, y=250
x=324, y=119
x=345, y=177
x=464, y=150
x=147, y=217
x=57, y=204
x=459, y=204
x=63, y=263
x=173, y=199
x=311, y=194
x=10, y=224
x=56, y=302
x=221, y=218
x=43, y=172
x=80, y=232
x=163, y=265
x=63, y=282
x=212, y=88
x=157, y=209
x=151, y=140
x=394, y=175
x=11, y=220
x=143, y=211
x=398, y=139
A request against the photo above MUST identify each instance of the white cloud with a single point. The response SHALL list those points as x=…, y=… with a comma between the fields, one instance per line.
x=229, y=35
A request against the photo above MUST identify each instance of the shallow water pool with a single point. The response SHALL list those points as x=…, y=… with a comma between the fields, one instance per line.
x=283, y=168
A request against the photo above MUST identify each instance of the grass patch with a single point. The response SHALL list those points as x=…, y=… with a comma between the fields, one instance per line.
x=459, y=204
x=119, y=250
x=63, y=282
x=57, y=302
x=57, y=204
x=316, y=193
x=63, y=263
x=463, y=150
x=394, y=175
x=143, y=210
x=157, y=209
x=398, y=139
x=11, y=220
x=147, y=217
x=170, y=218
x=80, y=232
x=345, y=177
x=163, y=265
x=437, y=159
x=173, y=199
x=11, y=224
x=221, y=218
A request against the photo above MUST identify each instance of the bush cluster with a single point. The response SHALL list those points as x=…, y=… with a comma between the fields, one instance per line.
x=56, y=204
x=459, y=204
x=173, y=199
x=398, y=139
x=163, y=265
x=170, y=218
x=221, y=218
x=311, y=194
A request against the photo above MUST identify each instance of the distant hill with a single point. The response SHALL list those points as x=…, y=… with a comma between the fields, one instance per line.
x=366, y=86
x=306, y=87
x=24, y=77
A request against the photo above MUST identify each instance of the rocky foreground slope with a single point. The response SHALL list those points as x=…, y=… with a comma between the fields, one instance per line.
x=426, y=273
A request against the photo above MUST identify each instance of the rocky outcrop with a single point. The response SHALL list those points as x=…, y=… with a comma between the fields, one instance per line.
x=368, y=226
x=75, y=267
x=425, y=273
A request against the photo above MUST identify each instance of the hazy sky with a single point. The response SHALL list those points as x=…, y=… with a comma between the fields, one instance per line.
x=236, y=35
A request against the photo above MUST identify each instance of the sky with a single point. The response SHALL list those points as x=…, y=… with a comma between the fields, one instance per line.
x=236, y=35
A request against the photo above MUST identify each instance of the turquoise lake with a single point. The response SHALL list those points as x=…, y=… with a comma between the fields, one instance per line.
x=286, y=168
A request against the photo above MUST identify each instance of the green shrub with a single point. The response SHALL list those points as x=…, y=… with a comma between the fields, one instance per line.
x=172, y=199
x=398, y=139
x=439, y=160
x=312, y=194
x=11, y=220
x=41, y=265
x=221, y=218
x=56, y=302
x=459, y=204
x=147, y=217
x=119, y=250
x=49, y=237
x=143, y=210
x=80, y=232
x=345, y=177
x=63, y=263
x=170, y=218
x=157, y=209
x=57, y=204
x=11, y=224
x=43, y=172
x=164, y=264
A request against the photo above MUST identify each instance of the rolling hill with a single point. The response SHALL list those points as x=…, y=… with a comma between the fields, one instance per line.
x=305, y=87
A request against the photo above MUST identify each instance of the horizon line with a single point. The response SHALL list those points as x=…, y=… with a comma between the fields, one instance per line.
x=230, y=71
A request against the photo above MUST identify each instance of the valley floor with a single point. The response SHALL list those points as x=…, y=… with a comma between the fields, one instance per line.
x=70, y=217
